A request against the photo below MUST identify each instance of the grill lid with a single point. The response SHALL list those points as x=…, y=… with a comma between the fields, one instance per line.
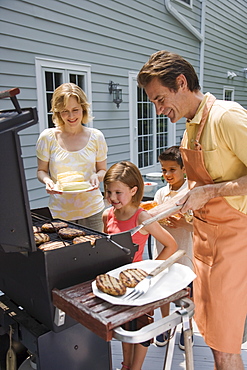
x=16, y=234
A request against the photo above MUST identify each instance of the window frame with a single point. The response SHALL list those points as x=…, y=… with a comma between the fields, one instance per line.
x=231, y=89
x=190, y=5
x=133, y=122
x=43, y=65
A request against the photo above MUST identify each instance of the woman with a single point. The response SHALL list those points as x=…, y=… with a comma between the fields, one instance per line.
x=72, y=146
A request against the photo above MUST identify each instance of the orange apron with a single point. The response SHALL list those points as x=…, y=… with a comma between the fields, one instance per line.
x=220, y=258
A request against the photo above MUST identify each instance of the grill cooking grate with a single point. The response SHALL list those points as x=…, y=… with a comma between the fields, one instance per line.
x=39, y=220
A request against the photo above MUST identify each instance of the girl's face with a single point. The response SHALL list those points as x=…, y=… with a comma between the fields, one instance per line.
x=173, y=173
x=72, y=113
x=119, y=194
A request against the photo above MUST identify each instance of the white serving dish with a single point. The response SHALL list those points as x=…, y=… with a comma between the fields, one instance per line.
x=154, y=175
x=150, y=187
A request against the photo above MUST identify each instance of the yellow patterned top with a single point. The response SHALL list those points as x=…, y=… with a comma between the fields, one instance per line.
x=78, y=205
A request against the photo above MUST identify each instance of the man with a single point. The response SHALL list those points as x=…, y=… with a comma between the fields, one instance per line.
x=215, y=157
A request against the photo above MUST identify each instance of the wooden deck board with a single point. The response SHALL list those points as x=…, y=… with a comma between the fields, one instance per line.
x=203, y=358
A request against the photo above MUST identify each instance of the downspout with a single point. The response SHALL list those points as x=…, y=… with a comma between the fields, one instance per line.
x=193, y=30
x=202, y=46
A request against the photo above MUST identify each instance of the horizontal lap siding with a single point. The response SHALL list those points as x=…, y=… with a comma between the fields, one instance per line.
x=226, y=48
x=114, y=37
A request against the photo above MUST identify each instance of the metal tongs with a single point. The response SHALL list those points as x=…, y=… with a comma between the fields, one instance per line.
x=144, y=285
x=164, y=214
x=161, y=215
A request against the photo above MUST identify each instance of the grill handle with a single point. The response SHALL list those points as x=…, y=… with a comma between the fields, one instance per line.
x=11, y=93
x=125, y=250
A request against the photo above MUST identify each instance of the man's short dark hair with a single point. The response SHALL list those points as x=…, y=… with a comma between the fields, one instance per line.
x=166, y=67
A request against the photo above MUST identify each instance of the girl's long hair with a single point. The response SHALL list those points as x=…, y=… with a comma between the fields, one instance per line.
x=127, y=173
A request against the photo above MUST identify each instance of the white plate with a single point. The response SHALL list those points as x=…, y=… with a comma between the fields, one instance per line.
x=154, y=175
x=73, y=191
x=176, y=278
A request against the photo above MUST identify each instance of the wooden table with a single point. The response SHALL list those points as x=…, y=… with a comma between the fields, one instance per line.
x=105, y=319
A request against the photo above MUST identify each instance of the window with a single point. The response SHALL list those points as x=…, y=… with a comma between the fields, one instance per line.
x=185, y=2
x=152, y=131
x=149, y=134
x=228, y=93
x=50, y=74
x=52, y=81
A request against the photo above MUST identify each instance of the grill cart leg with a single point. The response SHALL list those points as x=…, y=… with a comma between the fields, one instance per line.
x=187, y=339
x=170, y=350
x=157, y=327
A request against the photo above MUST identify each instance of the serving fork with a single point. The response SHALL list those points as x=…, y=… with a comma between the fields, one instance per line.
x=144, y=285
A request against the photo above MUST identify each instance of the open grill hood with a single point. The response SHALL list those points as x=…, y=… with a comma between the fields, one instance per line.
x=27, y=274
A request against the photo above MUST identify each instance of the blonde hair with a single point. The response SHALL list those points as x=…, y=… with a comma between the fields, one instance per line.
x=60, y=99
x=127, y=173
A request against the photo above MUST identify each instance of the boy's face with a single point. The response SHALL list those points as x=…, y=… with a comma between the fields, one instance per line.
x=173, y=173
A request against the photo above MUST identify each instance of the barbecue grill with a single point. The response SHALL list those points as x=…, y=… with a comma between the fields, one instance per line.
x=28, y=274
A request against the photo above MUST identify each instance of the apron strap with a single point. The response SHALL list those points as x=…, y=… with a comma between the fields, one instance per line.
x=209, y=103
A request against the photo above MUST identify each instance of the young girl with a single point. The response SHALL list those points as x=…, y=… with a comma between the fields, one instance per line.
x=123, y=186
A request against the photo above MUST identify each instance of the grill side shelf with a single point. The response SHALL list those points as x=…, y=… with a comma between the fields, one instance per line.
x=97, y=315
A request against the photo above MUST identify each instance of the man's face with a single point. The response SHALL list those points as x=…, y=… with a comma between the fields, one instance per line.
x=172, y=104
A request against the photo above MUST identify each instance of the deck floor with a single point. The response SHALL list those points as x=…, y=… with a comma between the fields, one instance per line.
x=202, y=355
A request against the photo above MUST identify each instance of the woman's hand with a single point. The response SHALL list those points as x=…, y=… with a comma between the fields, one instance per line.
x=43, y=176
x=94, y=181
x=97, y=177
x=49, y=186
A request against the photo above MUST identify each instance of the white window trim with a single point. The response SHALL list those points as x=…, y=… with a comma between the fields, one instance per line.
x=230, y=88
x=58, y=66
x=171, y=137
x=184, y=4
x=132, y=114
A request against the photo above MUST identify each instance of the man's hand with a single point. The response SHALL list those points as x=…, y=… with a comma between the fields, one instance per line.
x=196, y=198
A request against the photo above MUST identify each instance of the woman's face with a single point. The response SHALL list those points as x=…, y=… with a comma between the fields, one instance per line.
x=72, y=113
x=119, y=194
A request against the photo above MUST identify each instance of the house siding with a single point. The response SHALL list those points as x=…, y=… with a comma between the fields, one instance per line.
x=226, y=48
x=114, y=38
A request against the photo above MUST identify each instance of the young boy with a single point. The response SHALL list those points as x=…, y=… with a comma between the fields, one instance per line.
x=182, y=230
